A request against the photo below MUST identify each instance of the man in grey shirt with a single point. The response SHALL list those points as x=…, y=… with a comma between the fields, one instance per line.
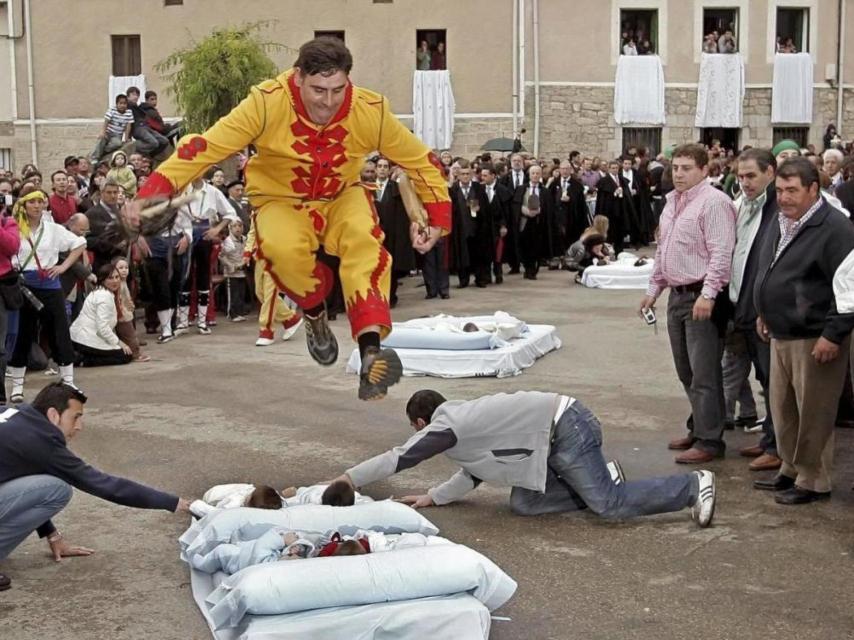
x=546, y=446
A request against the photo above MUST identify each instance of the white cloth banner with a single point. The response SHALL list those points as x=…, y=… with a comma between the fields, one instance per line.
x=433, y=107
x=720, y=95
x=791, y=97
x=120, y=84
x=639, y=90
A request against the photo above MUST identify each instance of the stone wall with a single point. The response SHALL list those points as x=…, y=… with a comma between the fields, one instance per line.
x=571, y=118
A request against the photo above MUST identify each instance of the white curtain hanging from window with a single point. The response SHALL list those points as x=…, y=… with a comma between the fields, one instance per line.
x=792, y=94
x=639, y=90
x=433, y=108
x=120, y=84
x=720, y=94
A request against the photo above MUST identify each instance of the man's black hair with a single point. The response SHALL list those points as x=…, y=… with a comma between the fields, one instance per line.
x=150, y=94
x=57, y=395
x=325, y=55
x=423, y=404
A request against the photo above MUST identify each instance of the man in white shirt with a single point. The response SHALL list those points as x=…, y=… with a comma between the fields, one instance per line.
x=209, y=214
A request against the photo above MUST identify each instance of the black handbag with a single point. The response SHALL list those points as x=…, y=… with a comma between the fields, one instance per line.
x=10, y=291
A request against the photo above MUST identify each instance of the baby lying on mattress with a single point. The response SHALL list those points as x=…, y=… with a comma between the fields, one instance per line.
x=230, y=496
x=282, y=544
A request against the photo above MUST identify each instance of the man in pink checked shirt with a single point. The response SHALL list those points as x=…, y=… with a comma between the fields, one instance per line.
x=693, y=259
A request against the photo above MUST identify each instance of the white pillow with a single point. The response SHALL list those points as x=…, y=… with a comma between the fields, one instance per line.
x=245, y=523
x=317, y=583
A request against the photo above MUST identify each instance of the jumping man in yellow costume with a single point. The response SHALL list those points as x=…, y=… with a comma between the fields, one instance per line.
x=312, y=130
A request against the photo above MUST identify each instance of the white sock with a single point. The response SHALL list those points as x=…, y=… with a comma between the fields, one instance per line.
x=202, y=317
x=17, y=376
x=165, y=318
x=66, y=373
x=183, y=316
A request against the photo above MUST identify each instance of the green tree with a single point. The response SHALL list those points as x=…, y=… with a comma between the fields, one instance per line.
x=210, y=77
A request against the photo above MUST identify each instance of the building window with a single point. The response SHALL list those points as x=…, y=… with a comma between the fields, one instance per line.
x=720, y=31
x=173, y=3
x=793, y=28
x=638, y=32
x=798, y=134
x=127, y=56
x=647, y=137
x=430, y=50
x=6, y=159
x=330, y=34
x=726, y=139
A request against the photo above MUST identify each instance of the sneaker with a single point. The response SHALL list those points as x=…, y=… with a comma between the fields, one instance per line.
x=204, y=329
x=17, y=398
x=292, y=329
x=166, y=337
x=265, y=338
x=616, y=471
x=381, y=368
x=703, y=510
x=239, y=319
x=321, y=342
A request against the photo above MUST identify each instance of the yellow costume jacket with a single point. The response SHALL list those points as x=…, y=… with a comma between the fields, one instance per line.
x=298, y=160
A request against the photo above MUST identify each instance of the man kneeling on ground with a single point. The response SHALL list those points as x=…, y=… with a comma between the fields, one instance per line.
x=37, y=472
x=546, y=446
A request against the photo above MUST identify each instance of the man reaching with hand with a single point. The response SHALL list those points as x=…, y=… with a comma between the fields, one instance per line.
x=37, y=472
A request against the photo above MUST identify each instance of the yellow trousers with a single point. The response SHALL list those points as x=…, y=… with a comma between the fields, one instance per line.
x=289, y=234
x=274, y=310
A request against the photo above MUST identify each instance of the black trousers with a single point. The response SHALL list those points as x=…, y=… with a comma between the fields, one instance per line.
x=90, y=357
x=198, y=271
x=436, y=276
x=53, y=320
x=165, y=285
x=236, y=292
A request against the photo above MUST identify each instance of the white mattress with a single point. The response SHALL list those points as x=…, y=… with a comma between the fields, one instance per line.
x=459, y=616
x=502, y=362
x=619, y=275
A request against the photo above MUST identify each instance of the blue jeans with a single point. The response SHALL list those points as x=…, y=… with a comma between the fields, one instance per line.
x=26, y=503
x=577, y=476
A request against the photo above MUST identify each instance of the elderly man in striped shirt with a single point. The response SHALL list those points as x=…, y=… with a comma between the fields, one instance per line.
x=693, y=259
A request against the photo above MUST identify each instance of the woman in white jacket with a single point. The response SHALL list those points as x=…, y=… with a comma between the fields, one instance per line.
x=94, y=331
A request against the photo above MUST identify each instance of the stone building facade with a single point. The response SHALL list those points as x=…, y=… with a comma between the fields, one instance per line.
x=576, y=54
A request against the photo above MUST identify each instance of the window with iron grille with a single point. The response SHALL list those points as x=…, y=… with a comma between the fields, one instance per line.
x=127, y=55
x=647, y=137
x=798, y=134
x=726, y=137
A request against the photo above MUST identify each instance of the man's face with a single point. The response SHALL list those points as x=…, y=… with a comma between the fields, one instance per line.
x=322, y=95
x=613, y=168
x=369, y=172
x=586, y=164
x=151, y=101
x=627, y=164
x=753, y=180
x=686, y=174
x=79, y=227
x=535, y=173
x=133, y=98
x=110, y=194
x=70, y=421
x=785, y=155
x=121, y=105
x=465, y=175
x=382, y=169
x=793, y=198
x=60, y=182
x=136, y=160
x=5, y=188
x=83, y=166
x=235, y=192
x=516, y=163
x=831, y=164
x=565, y=169
x=487, y=177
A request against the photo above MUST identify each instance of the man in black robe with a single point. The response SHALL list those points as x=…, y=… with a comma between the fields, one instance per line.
x=533, y=208
x=498, y=201
x=395, y=225
x=614, y=201
x=471, y=249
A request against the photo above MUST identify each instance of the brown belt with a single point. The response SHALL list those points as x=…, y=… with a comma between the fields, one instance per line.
x=694, y=287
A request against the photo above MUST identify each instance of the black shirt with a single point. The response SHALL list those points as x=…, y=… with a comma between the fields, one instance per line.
x=30, y=444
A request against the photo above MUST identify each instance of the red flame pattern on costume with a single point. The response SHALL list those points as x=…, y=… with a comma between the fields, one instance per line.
x=327, y=151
